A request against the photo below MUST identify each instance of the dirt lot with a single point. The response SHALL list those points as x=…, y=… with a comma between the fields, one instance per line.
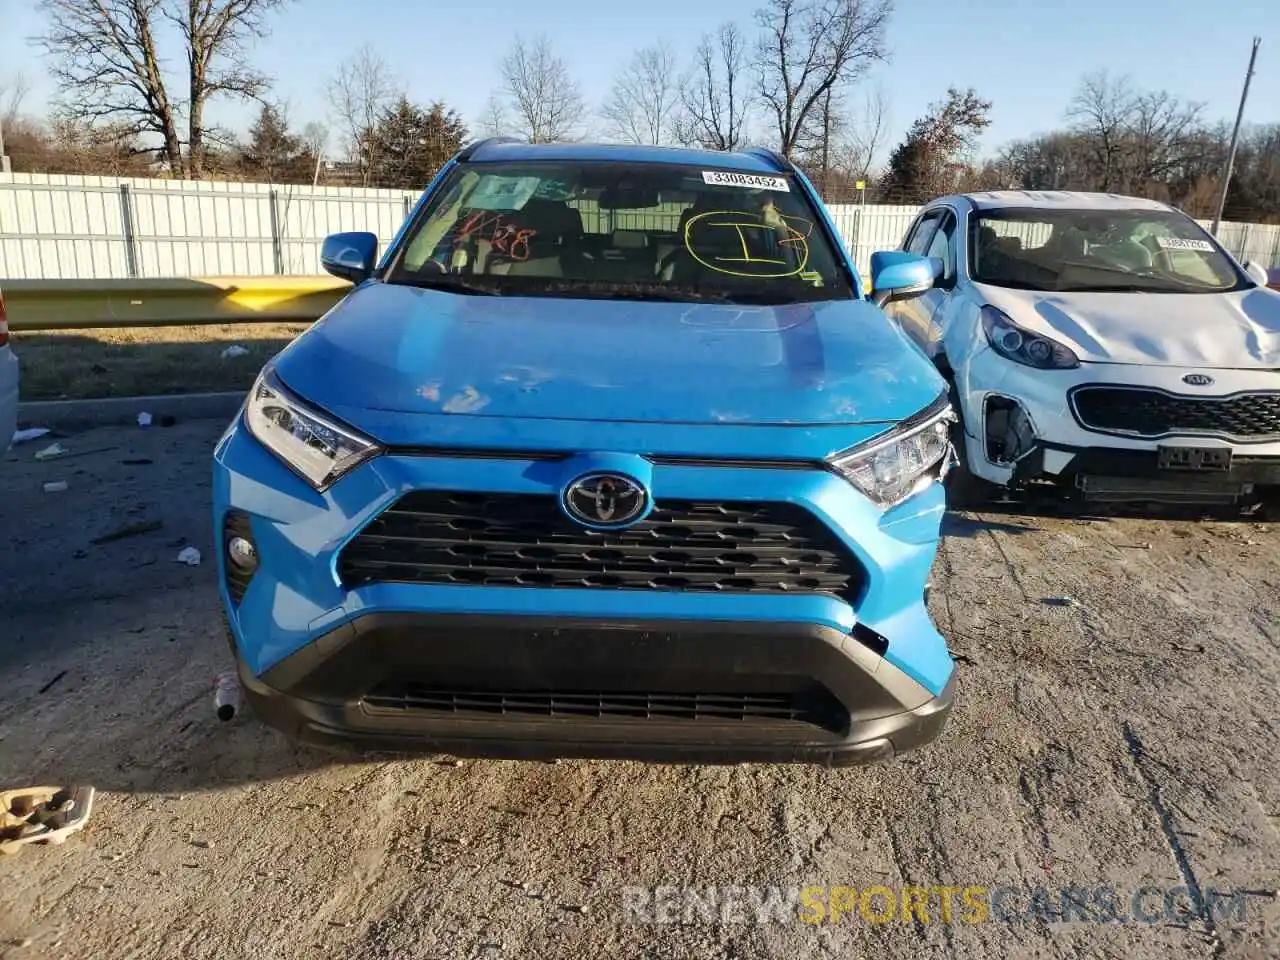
x=1128, y=740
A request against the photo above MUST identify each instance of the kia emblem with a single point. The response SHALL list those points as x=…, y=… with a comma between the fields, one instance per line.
x=1198, y=379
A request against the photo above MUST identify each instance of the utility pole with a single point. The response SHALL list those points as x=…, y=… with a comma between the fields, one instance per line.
x=1235, y=139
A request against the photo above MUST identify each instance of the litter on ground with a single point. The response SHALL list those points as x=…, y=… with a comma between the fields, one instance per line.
x=190, y=556
x=34, y=433
x=51, y=451
x=42, y=815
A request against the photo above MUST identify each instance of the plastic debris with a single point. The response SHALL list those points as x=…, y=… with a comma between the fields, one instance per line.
x=42, y=815
x=51, y=451
x=55, y=486
x=144, y=419
x=226, y=695
x=190, y=556
x=34, y=433
x=1060, y=601
x=235, y=350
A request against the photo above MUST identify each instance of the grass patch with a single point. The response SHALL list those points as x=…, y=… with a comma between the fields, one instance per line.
x=135, y=361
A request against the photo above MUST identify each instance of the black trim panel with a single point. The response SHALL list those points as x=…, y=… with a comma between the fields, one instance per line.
x=319, y=694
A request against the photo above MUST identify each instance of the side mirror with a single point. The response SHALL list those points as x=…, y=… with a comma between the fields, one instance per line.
x=896, y=275
x=1257, y=273
x=351, y=256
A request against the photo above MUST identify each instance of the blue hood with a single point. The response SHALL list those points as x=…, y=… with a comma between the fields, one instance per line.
x=393, y=348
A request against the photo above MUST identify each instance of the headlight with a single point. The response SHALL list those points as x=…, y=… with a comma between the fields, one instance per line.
x=915, y=454
x=1022, y=346
x=313, y=445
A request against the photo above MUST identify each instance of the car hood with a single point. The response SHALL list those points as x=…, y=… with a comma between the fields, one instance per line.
x=415, y=351
x=1239, y=330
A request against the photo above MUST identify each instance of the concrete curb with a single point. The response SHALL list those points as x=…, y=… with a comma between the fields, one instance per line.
x=60, y=414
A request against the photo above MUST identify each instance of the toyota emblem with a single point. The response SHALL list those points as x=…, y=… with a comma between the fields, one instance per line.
x=605, y=500
x=1198, y=379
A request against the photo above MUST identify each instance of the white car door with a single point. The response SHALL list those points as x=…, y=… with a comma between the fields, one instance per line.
x=922, y=318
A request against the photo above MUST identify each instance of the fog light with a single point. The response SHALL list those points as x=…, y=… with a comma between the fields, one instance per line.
x=242, y=553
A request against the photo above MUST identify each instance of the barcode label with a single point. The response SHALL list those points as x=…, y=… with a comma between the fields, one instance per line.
x=721, y=178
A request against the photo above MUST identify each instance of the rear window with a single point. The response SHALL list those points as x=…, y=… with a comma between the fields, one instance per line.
x=594, y=229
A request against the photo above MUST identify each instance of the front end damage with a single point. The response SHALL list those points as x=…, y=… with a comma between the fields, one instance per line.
x=1023, y=444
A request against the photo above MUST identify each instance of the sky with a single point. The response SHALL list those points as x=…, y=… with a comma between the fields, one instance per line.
x=1026, y=56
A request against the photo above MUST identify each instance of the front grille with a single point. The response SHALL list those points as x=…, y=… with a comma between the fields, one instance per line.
x=1151, y=413
x=815, y=705
x=522, y=540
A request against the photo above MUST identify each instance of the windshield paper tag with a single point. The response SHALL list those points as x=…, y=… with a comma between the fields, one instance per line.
x=721, y=178
x=503, y=193
x=1177, y=243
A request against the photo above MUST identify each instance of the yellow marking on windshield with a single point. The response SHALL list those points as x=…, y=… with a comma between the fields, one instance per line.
x=795, y=238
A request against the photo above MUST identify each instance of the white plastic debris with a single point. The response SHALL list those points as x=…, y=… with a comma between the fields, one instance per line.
x=235, y=350
x=51, y=451
x=144, y=419
x=190, y=556
x=34, y=433
x=226, y=695
x=55, y=486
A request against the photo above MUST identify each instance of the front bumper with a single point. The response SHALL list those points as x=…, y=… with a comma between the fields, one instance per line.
x=1056, y=446
x=542, y=688
x=321, y=658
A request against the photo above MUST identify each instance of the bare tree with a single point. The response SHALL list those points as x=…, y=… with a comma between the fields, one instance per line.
x=495, y=122
x=1134, y=137
x=645, y=93
x=809, y=48
x=866, y=134
x=713, y=103
x=361, y=90
x=107, y=62
x=217, y=33
x=543, y=95
x=12, y=93
x=1102, y=109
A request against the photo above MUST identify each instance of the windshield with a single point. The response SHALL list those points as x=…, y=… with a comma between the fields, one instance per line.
x=1149, y=251
x=643, y=231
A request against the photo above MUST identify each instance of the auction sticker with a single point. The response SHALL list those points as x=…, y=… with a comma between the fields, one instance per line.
x=1178, y=243
x=722, y=178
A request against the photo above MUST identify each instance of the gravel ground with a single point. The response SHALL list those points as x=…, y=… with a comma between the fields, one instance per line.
x=1128, y=739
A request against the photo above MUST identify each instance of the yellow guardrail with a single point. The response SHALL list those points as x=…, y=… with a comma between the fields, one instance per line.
x=79, y=304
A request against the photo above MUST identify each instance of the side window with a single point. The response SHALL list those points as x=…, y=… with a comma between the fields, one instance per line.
x=943, y=246
x=918, y=238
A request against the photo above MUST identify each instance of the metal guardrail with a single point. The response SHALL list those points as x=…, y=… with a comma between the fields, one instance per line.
x=82, y=304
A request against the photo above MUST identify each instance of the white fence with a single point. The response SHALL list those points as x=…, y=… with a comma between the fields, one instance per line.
x=54, y=226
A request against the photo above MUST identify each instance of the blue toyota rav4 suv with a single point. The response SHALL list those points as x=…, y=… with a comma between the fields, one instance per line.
x=608, y=455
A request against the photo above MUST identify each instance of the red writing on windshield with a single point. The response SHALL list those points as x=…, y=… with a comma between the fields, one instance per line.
x=505, y=237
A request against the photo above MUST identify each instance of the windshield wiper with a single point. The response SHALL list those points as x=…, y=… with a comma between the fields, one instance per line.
x=449, y=283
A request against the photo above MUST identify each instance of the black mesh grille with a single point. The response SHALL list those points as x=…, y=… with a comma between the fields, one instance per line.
x=236, y=524
x=1150, y=413
x=815, y=706
x=525, y=540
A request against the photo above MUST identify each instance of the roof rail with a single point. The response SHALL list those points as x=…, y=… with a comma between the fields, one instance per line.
x=475, y=145
x=774, y=157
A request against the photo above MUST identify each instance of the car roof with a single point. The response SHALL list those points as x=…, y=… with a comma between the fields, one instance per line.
x=754, y=161
x=1058, y=200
